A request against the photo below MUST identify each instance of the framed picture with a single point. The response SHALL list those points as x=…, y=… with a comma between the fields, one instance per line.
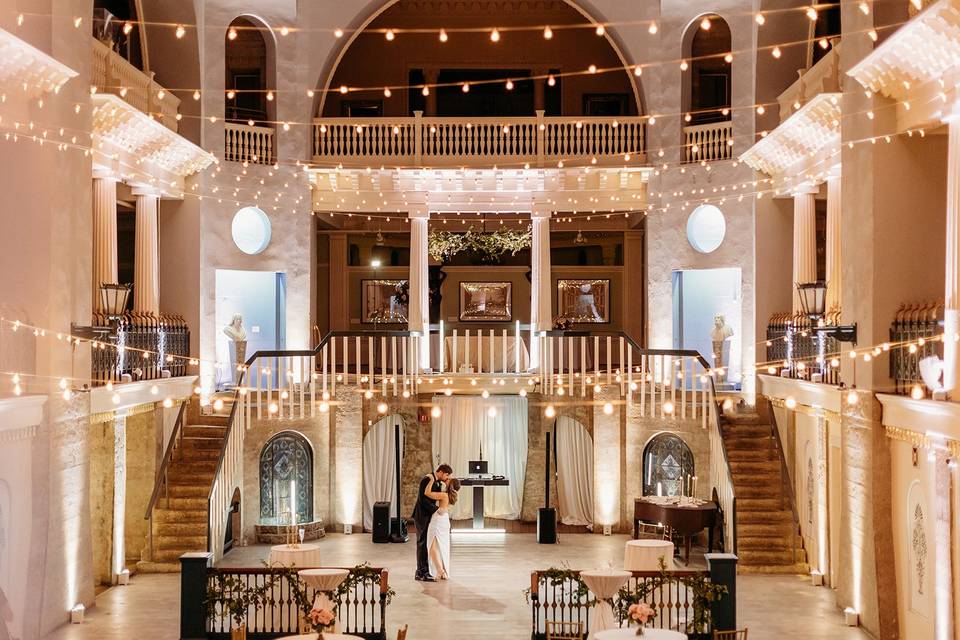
x=584, y=301
x=486, y=301
x=383, y=301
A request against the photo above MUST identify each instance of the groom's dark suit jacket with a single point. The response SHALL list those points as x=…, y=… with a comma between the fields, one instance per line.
x=424, y=507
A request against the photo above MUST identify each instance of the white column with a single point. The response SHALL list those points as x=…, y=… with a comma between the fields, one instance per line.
x=104, y=233
x=951, y=313
x=833, y=243
x=541, y=311
x=146, y=259
x=804, y=242
x=418, y=315
x=118, y=558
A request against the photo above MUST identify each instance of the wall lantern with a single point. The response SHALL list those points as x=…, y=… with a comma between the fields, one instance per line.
x=813, y=301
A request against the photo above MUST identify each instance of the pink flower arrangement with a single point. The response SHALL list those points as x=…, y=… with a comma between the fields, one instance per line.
x=321, y=618
x=641, y=613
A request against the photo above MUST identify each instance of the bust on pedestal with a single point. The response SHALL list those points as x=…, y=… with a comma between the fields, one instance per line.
x=720, y=333
x=237, y=342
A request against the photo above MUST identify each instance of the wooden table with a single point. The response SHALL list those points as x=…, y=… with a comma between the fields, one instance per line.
x=685, y=521
x=478, y=483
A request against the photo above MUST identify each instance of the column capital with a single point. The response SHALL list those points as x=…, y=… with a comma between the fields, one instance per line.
x=419, y=214
x=805, y=189
x=540, y=211
x=146, y=191
x=100, y=173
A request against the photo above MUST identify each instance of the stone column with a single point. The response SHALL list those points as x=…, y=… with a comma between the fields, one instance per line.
x=834, y=270
x=541, y=310
x=430, y=106
x=118, y=558
x=104, y=233
x=951, y=313
x=804, y=242
x=339, y=299
x=418, y=314
x=146, y=259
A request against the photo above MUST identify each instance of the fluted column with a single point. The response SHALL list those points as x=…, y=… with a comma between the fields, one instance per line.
x=104, y=233
x=833, y=244
x=118, y=554
x=418, y=314
x=951, y=316
x=146, y=259
x=804, y=242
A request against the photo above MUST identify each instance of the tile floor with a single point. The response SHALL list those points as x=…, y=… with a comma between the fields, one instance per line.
x=482, y=600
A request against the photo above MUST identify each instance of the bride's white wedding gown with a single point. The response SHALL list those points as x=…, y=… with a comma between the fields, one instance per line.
x=438, y=533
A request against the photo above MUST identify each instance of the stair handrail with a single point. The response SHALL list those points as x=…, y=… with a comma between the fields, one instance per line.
x=785, y=479
x=175, y=442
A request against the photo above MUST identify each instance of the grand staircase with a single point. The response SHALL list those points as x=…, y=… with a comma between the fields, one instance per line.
x=768, y=537
x=180, y=512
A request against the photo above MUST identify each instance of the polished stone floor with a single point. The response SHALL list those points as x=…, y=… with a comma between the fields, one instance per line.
x=483, y=599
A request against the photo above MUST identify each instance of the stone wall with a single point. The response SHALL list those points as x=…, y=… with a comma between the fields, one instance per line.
x=142, y=449
x=100, y=444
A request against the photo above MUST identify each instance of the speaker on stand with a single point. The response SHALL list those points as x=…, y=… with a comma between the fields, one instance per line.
x=381, y=522
x=547, y=516
x=398, y=528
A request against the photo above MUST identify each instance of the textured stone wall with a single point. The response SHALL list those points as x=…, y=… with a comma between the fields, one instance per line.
x=142, y=448
x=100, y=444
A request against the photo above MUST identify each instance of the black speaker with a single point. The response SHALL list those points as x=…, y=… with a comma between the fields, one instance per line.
x=547, y=525
x=381, y=522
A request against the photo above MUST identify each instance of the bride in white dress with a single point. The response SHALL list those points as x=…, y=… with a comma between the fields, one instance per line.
x=438, y=533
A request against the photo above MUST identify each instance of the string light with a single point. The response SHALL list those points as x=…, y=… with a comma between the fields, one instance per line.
x=599, y=30
x=232, y=34
x=338, y=33
x=652, y=29
x=760, y=19
x=284, y=31
x=181, y=31
x=547, y=33
x=390, y=35
x=127, y=28
x=705, y=23
x=776, y=53
x=812, y=14
x=495, y=36
x=386, y=92
x=443, y=36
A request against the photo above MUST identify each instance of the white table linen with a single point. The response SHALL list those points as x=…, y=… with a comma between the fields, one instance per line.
x=648, y=634
x=484, y=344
x=644, y=555
x=304, y=555
x=325, y=581
x=604, y=583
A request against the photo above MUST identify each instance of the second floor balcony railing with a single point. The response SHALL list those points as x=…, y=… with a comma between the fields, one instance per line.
x=111, y=73
x=538, y=141
x=708, y=142
x=248, y=143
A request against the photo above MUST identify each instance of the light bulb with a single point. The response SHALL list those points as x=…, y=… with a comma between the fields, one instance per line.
x=776, y=52
x=495, y=36
x=812, y=14
x=791, y=403
x=916, y=392
x=232, y=34
x=638, y=70
x=435, y=412
x=425, y=91
x=485, y=394
x=509, y=85
x=443, y=36
x=551, y=81
x=600, y=30
x=127, y=28
x=382, y=408
x=852, y=397
x=167, y=403
x=196, y=95
x=338, y=33
x=760, y=19
x=386, y=92
x=218, y=404
x=492, y=412
x=284, y=31
x=389, y=35
x=550, y=411
x=547, y=33
x=344, y=89
x=705, y=23
x=270, y=96
x=465, y=88
x=652, y=29
x=608, y=408
x=728, y=58
x=684, y=65
x=668, y=407
x=180, y=32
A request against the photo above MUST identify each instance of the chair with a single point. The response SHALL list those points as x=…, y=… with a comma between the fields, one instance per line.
x=557, y=630
x=648, y=531
x=402, y=633
x=739, y=634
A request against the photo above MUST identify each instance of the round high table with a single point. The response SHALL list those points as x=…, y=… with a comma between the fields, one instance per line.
x=604, y=583
x=630, y=633
x=644, y=555
x=325, y=581
x=304, y=555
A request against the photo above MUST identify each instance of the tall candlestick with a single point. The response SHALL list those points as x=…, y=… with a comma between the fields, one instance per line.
x=293, y=503
x=659, y=489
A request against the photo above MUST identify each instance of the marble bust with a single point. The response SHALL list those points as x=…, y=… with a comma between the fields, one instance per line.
x=237, y=339
x=718, y=335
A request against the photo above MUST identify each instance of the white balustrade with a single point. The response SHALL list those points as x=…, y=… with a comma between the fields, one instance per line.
x=246, y=143
x=229, y=477
x=111, y=73
x=537, y=140
x=708, y=142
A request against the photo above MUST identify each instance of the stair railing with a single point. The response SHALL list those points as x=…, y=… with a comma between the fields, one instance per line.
x=175, y=443
x=785, y=480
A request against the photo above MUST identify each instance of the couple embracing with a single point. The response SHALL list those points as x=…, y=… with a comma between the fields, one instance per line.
x=431, y=513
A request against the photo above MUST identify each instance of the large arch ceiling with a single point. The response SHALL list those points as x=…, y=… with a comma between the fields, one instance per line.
x=579, y=12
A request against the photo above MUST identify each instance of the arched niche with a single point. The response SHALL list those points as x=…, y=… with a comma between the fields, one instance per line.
x=379, y=467
x=286, y=458
x=250, y=72
x=708, y=80
x=667, y=461
x=512, y=47
x=110, y=18
x=574, y=463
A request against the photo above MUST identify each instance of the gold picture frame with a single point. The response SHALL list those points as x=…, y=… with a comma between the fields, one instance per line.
x=486, y=301
x=584, y=301
x=378, y=302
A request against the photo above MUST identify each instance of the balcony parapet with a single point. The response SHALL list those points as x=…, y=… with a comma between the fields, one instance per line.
x=111, y=73
x=823, y=77
x=536, y=141
x=708, y=142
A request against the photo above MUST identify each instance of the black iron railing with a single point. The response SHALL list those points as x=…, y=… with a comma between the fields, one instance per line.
x=145, y=346
x=361, y=610
x=795, y=349
x=911, y=336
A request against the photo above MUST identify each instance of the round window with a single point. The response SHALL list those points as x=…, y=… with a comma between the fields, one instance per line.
x=251, y=230
x=706, y=228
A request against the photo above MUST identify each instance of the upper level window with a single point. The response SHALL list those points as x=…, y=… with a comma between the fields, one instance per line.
x=826, y=28
x=708, y=82
x=250, y=72
x=116, y=24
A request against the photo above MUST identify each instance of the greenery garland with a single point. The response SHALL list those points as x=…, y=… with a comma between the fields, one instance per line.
x=558, y=577
x=444, y=245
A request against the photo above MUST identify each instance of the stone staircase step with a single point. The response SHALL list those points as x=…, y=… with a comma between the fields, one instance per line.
x=743, y=454
x=204, y=431
x=774, y=557
x=165, y=543
x=765, y=543
x=764, y=517
x=197, y=467
x=782, y=528
x=162, y=514
x=203, y=442
x=762, y=505
x=187, y=504
x=754, y=467
x=753, y=431
x=798, y=568
x=186, y=491
x=146, y=566
x=200, y=455
x=759, y=490
x=173, y=555
x=179, y=528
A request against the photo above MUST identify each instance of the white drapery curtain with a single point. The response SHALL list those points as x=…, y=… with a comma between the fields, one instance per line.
x=464, y=424
x=574, y=472
x=380, y=468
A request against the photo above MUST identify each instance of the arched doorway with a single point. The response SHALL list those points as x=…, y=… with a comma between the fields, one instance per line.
x=286, y=464
x=574, y=458
x=380, y=468
x=667, y=460
x=707, y=86
x=250, y=72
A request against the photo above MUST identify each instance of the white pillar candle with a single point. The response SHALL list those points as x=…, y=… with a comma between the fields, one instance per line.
x=293, y=502
x=659, y=489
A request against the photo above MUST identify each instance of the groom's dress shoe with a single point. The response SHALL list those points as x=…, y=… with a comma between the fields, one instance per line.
x=424, y=578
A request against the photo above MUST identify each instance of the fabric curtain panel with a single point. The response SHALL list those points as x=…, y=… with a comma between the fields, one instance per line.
x=380, y=468
x=574, y=472
x=463, y=426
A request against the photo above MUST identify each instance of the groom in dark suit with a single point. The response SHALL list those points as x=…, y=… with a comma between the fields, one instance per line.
x=423, y=510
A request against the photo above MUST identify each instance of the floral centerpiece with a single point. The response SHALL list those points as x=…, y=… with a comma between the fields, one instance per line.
x=321, y=619
x=641, y=613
